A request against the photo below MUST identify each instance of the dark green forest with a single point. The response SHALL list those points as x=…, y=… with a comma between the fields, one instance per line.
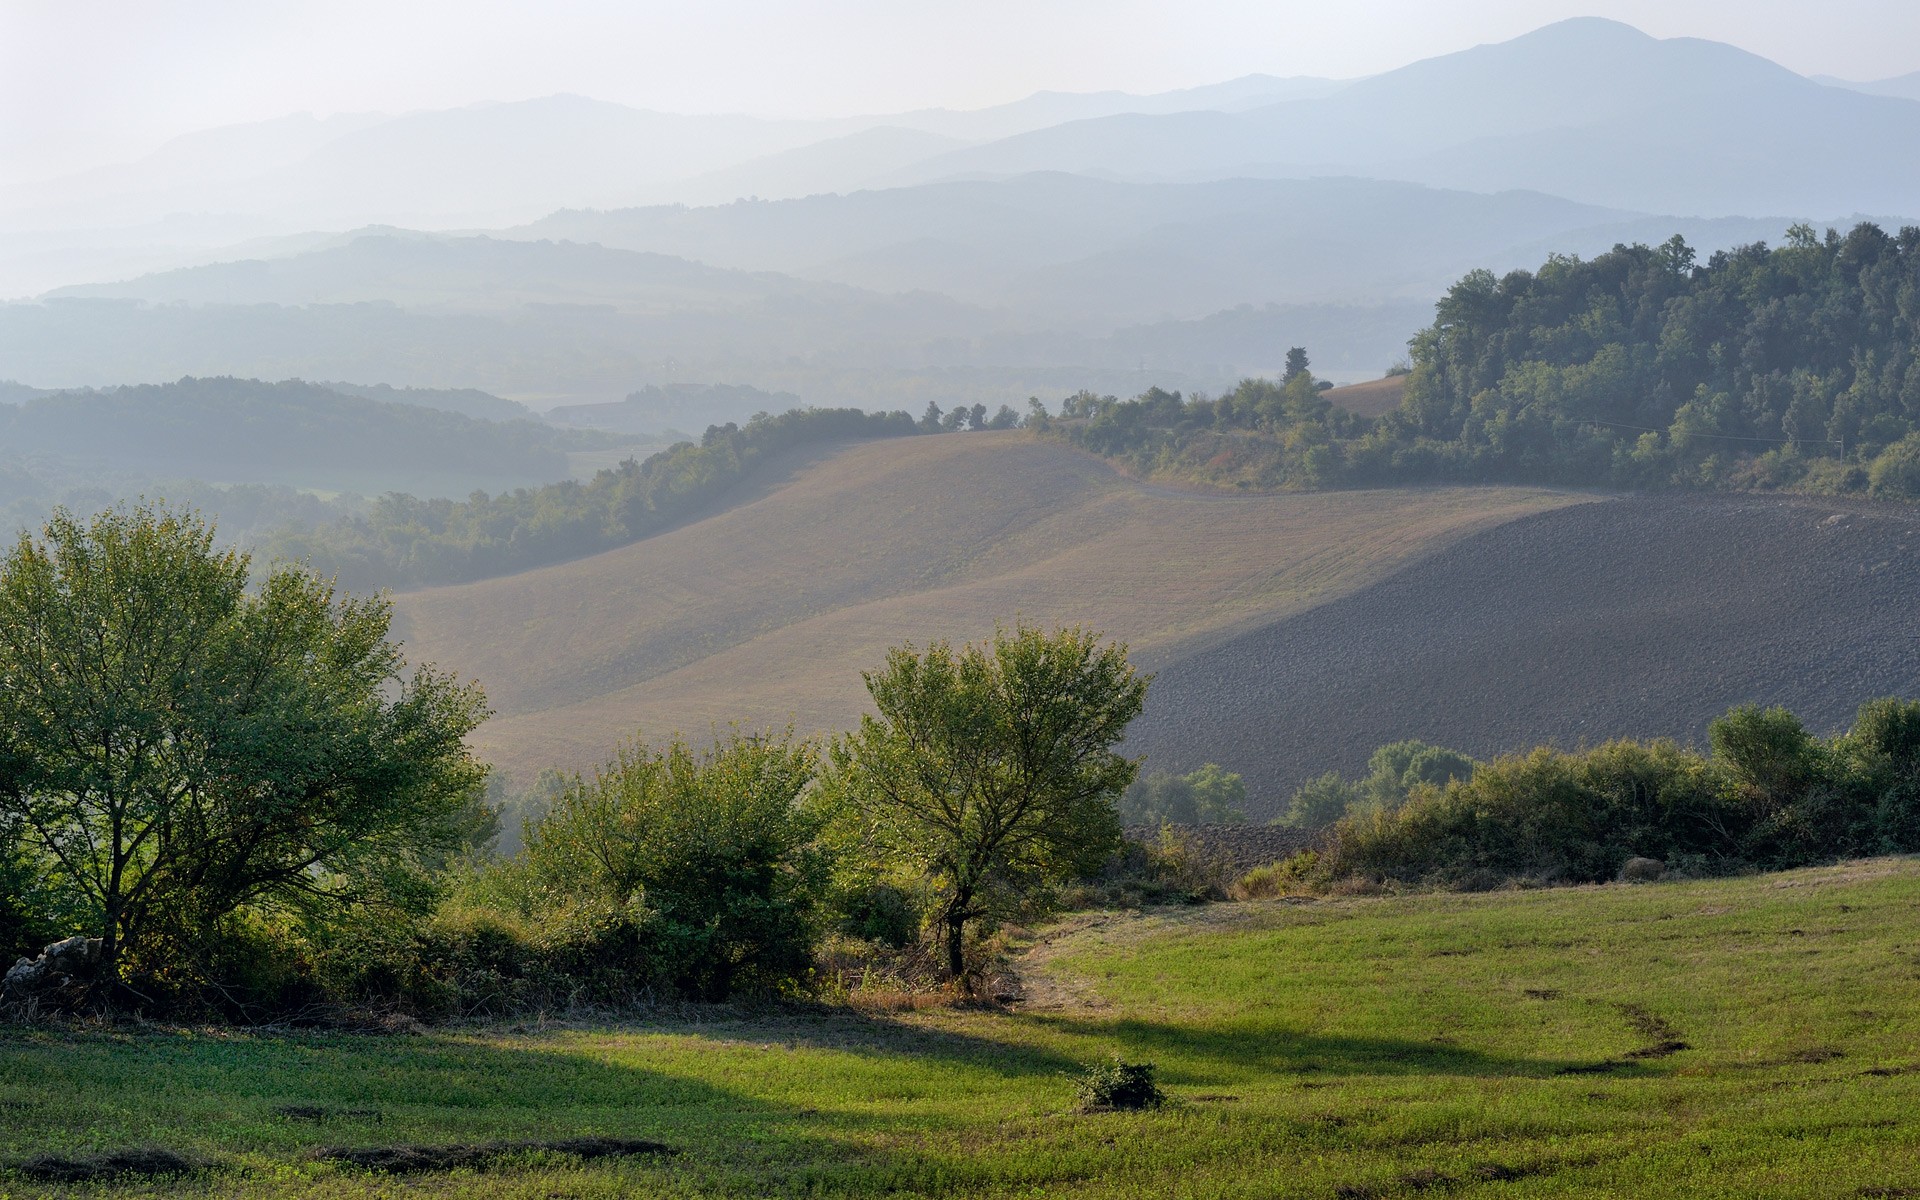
x=1766, y=367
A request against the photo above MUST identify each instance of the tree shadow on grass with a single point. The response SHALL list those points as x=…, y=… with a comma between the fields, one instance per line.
x=293, y=1098
x=1278, y=1050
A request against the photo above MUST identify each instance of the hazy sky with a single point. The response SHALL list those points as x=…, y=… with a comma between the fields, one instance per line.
x=88, y=81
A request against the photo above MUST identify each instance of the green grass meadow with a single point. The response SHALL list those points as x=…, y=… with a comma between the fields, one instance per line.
x=1751, y=1037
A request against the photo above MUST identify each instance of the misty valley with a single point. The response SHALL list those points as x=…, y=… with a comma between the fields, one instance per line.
x=1340, y=634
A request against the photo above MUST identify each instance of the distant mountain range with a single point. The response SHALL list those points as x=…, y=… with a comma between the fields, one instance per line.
x=1588, y=109
x=1107, y=240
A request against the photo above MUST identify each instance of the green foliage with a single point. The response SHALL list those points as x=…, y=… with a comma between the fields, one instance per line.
x=1896, y=470
x=1118, y=1086
x=1209, y=795
x=175, y=748
x=714, y=844
x=1393, y=771
x=1791, y=367
x=404, y=541
x=1771, y=794
x=990, y=770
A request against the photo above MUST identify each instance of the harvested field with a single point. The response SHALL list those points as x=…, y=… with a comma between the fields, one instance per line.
x=767, y=612
x=1371, y=398
x=1639, y=617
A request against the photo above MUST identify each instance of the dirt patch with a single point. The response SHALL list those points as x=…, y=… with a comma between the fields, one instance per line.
x=152, y=1162
x=322, y=1112
x=1662, y=1038
x=415, y=1159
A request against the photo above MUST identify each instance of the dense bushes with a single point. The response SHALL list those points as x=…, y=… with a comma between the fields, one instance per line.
x=705, y=864
x=1770, y=794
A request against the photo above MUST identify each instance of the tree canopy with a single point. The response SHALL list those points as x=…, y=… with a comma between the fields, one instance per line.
x=1796, y=365
x=176, y=746
x=992, y=769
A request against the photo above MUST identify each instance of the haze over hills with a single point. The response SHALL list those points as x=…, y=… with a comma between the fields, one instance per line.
x=1589, y=109
x=975, y=292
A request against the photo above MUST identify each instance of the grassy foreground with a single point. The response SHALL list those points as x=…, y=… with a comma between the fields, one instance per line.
x=1756, y=1037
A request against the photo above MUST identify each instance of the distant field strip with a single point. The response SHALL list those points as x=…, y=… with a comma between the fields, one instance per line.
x=767, y=612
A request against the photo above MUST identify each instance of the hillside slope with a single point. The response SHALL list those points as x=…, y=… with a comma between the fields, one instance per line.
x=767, y=612
x=1640, y=617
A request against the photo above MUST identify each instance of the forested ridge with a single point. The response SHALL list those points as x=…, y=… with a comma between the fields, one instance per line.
x=1765, y=367
x=405, y=541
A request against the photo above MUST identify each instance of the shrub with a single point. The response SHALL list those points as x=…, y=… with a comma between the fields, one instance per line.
x=714, y=845
x=1546, y=816
x=1896, y=471
x=1118, y=1086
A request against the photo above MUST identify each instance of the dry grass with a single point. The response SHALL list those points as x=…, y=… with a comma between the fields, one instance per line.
x=767, y=612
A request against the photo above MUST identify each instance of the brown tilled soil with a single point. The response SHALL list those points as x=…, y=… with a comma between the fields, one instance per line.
x=1641, y=617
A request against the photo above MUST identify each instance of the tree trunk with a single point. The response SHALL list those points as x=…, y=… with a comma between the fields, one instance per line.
x=956, y=930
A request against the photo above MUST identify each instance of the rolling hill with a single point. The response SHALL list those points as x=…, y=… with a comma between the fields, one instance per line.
x=768, y=611
x=1292, y=634
x=1640, y=617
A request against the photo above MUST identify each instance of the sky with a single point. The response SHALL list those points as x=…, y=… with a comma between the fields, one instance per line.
x=84, y=82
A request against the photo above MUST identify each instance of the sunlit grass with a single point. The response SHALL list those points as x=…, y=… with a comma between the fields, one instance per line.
x=1514, y=1044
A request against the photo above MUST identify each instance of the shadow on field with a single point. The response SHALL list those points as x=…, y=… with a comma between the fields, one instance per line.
x=402, y=1104
x=1289, y=1052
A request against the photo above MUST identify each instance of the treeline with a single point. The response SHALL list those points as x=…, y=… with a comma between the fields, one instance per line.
x=1796, y=366
x=405, y=541
x=228, y=429
x=1767, y=794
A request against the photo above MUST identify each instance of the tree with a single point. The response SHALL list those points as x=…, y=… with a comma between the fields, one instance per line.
x=1296, y=364
x=1207, y=796
x=991, y=770
x=977, y=417
x=930, y=420
x=175, y=746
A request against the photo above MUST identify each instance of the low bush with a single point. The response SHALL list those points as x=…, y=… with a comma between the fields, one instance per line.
x=1118, y=1086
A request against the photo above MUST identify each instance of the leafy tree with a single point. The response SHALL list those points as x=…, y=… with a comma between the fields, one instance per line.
x=1207, y=796
x=1006, y=418
x=714, y=844
x=977, y=417
x=1320, y=802
x=175, y=747
x=991, y=770
x=1393, y=772
x=930, y=420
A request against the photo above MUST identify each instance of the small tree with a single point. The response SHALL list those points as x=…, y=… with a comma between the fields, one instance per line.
x=991, y=770
x=175, y=746
x=1296, y=364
